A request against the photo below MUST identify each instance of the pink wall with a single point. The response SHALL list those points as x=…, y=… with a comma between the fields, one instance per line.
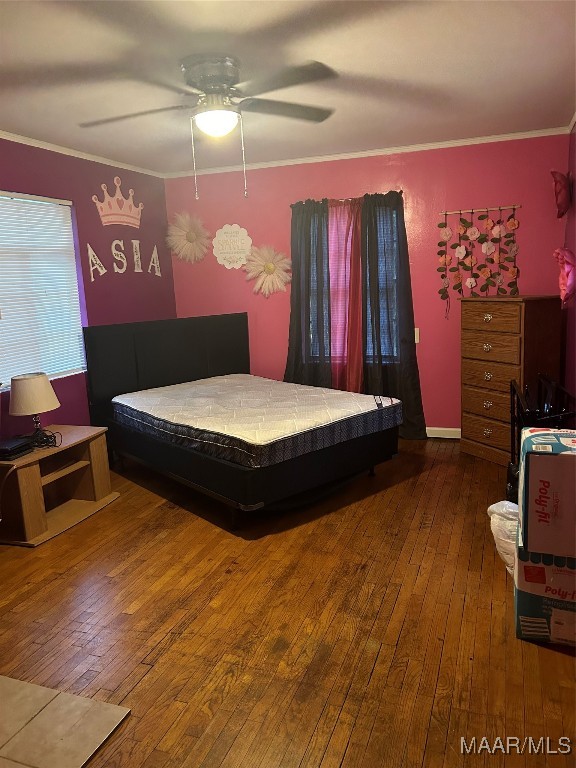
x=433, y=180
x=570, y=242
x=499, y=173
x=112, y=297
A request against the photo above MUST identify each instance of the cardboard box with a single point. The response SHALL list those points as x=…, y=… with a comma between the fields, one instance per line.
x=545, y=597
x=545, y=558
x=547, y=491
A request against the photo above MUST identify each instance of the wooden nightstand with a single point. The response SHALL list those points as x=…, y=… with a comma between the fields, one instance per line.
x=51, y=489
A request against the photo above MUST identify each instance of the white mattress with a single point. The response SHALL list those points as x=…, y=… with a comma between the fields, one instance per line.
x=253, y=421
x=250, y=408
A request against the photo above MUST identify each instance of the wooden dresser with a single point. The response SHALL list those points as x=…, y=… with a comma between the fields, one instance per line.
x=503, y=339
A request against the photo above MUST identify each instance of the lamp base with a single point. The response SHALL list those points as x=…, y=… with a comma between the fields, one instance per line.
x=40, y=438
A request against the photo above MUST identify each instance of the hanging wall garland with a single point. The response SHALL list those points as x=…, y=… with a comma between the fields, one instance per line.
x=477, y=253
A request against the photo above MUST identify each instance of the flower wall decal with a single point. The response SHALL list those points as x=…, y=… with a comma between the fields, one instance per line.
x=483, y=257
x=187, y=238
x=270, y=270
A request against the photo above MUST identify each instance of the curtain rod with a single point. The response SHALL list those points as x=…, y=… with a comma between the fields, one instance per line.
x=346, y=199
x=480, y=210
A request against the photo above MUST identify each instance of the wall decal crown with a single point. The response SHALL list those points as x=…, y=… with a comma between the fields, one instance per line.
x=118, y=209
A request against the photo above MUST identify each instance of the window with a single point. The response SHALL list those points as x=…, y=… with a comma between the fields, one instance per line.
x=351, y=312
x=40, y=325
x=381, y=305
x=387, y=258
x=319, y=318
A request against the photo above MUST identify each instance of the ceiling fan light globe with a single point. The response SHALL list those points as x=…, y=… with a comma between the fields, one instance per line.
x=216, y=122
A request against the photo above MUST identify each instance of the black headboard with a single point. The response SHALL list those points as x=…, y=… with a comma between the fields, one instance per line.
x=132, y=356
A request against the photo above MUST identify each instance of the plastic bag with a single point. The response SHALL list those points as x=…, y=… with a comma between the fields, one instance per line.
x=504, y=525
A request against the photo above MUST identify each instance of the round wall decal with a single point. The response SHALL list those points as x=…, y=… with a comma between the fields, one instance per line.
x=232, y=245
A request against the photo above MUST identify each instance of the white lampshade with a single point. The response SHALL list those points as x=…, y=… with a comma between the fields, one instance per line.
x=30, y=394
x=217, y=122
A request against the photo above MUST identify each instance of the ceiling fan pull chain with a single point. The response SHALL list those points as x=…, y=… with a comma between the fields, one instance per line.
x=243, y=154
x=196, y=195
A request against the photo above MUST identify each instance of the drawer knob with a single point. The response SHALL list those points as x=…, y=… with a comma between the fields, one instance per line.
x=487, y=375
x=487, y=432
x=487, y=347
x=487, y=317
x=488, y=404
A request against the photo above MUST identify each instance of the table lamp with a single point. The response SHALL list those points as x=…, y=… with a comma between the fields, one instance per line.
x=31, y=394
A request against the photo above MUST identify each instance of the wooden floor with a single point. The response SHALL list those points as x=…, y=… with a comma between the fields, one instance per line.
x=372, y=629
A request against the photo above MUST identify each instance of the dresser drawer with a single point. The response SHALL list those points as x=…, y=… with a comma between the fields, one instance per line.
x=500, y=316
x=487, y=345
x=483, y=402
x=487, y=375
x=496, y=434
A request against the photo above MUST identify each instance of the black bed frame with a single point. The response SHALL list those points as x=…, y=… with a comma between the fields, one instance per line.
x=135, y=356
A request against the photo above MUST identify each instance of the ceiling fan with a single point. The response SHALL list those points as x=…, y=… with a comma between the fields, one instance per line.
x=216, y=97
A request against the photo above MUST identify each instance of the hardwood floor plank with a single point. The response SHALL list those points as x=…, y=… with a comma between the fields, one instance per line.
x=320, y=738
x=481, y=661
x=454, y=756
x=372, y=628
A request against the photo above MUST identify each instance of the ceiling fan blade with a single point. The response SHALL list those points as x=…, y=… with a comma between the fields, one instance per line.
x=116, y=119
x=181, y=90
x=34, y=76
x=305, y=19
x=286, y=109
x=303, y=73
x=70, y=74
x=146, y=26
x=377, y=88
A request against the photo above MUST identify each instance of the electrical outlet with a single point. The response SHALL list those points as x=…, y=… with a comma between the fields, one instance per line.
x=417, y=335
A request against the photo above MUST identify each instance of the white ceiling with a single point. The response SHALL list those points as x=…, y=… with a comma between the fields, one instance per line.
x=408, y=73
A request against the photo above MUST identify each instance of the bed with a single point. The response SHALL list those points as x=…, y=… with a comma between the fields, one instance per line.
x=178, y=396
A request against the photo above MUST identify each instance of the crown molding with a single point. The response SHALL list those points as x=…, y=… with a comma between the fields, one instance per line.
x=74, y=153
x=379, y=152
x=295, y=161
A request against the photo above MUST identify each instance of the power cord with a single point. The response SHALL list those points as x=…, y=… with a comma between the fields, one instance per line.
x=44, y=438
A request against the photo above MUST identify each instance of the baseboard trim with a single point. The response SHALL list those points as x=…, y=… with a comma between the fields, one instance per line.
x=448, y=432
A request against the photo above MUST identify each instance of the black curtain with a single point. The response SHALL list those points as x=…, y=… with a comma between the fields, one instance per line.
x=389, y=351
x=309, y=335
x=390, y=364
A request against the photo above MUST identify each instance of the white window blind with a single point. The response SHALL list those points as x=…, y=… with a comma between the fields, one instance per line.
x=40, y=324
